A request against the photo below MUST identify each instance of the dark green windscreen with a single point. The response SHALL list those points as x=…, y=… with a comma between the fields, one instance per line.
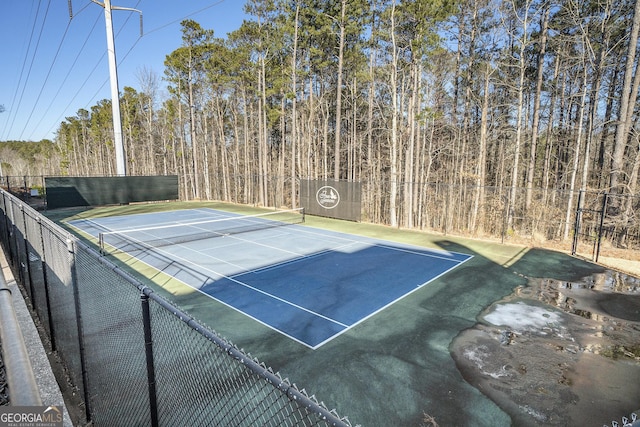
x=95, y=191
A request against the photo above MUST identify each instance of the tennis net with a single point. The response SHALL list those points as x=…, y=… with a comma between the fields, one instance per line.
x=135, y=240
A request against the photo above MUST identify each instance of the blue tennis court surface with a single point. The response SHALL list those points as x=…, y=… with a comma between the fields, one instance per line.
x=309, y=284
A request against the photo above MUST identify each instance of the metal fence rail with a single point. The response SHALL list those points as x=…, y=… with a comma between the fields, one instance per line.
x=19, y=374
x=606, y=216
x=133, y=357
x=537, y=214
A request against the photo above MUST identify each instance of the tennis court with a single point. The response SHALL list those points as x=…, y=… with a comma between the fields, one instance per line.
x=402, y=364
x=310, y=285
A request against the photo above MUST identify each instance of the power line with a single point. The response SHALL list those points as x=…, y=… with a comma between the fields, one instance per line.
x=44, y=84
x=91, y=73
x=95, y=95
x=54, y=98
x=35, y=51
x=120, y=62
x=31, y=54
x=24, y=63
x=46, y=78
x=185, y=17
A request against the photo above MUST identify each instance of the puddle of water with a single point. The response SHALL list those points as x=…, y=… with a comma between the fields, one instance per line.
x=576, y=345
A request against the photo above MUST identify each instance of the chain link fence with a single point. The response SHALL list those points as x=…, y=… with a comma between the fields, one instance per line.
x=133, y=357
x=536, y=214
x=609, y=217
x=4, y=395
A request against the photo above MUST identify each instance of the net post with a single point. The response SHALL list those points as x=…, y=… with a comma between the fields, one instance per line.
x=303, y=214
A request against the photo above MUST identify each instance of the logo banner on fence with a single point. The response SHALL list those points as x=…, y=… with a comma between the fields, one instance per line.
x=334, y=199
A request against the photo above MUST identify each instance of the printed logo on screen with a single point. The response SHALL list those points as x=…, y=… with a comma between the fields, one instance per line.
x=30, y=416
x=328, y=197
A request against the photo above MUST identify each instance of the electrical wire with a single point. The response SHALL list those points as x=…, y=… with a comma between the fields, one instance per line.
x=121, y=61
x=95, y=95
x=185, y=17
x=53, y=63
x=75, y=61
x=91, y=74
x=44, y=84
x=35, y=51
x=24, y=63
x=93, y=70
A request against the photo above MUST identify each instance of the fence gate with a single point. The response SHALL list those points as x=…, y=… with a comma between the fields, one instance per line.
x=609, y=217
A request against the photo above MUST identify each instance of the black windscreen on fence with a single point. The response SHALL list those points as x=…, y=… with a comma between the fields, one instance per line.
x=65, y=192
x=334, y=199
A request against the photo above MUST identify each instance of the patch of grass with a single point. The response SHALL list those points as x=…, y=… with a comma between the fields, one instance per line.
x=620, y=352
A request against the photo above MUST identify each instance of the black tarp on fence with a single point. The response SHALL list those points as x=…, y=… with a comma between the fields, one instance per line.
x=96, y=191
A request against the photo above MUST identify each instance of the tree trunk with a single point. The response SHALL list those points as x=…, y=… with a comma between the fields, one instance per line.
x=294, y=123
x=183, y=150
x=337, y=153
x=262, y=134
x=576, y=156
x=624, y=124
x=536, y=109
x=477, y=216
x=194, y=143
x=393, y=190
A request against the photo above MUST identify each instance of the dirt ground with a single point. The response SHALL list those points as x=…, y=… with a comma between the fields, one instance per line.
x=555, y=351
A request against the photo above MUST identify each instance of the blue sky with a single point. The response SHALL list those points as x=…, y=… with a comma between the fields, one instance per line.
x=51, y=66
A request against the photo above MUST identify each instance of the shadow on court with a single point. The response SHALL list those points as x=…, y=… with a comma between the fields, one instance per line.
x=396, y=366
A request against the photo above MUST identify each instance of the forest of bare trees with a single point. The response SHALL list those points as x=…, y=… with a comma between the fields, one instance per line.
x=480, y=116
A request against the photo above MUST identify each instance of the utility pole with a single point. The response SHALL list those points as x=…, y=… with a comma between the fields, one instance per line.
x=121, y=167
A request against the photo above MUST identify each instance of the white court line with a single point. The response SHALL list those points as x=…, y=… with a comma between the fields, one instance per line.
x=415, y=252
x=370, y=242
x=90, y=221
x=458, y=263
x=186, y=219
x=193, y=225
x=365, y=239
x=299, y=256
x=294, y=261
x=223, y=261
x=228, y=305
x=220, y=275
